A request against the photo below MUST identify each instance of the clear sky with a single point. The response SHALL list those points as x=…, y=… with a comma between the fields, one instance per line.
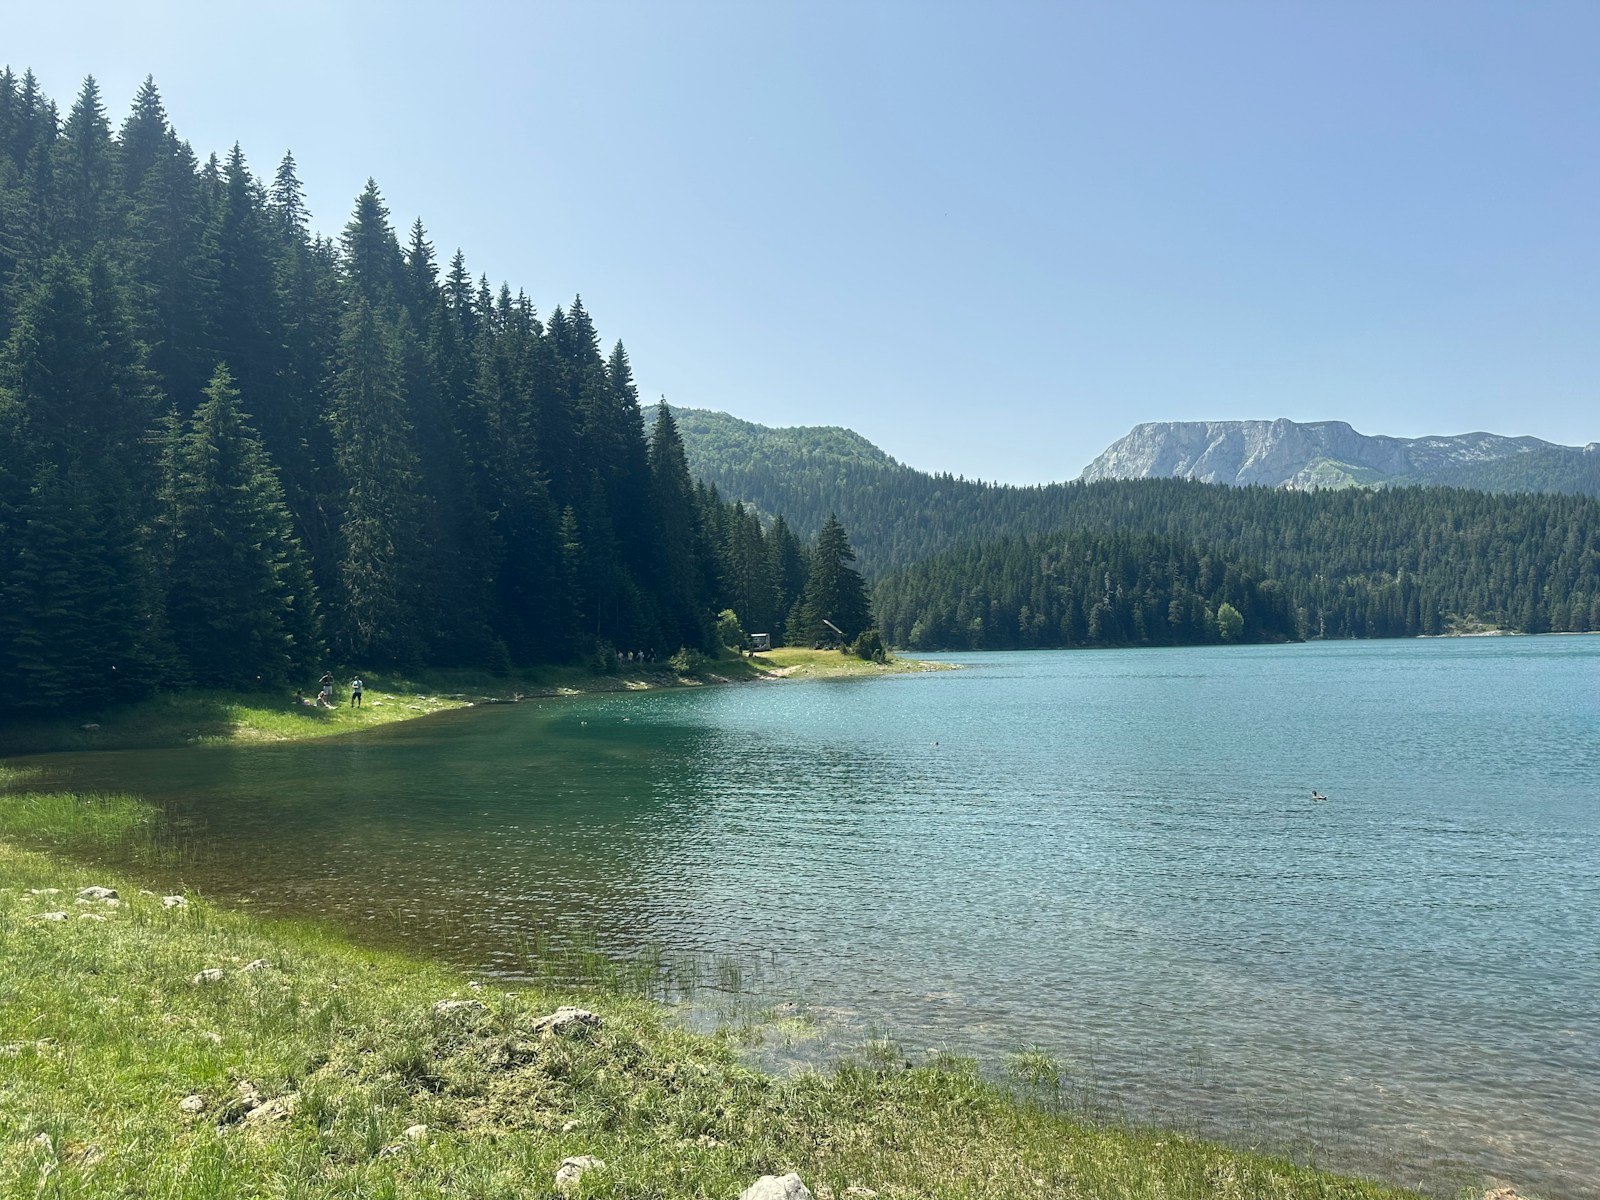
x=991, y=237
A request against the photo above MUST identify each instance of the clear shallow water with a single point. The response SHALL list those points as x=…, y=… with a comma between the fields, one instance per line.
x=1109, y=855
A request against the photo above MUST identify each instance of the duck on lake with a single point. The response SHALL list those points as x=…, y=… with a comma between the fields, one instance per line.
x=1316, y=795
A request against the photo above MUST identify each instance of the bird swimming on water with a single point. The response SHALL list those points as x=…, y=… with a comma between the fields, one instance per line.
x=1316, y=795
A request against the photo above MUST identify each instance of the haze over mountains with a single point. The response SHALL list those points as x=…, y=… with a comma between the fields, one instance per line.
x=1321, y=454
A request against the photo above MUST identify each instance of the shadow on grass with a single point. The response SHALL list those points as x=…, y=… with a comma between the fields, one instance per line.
x=165, y=720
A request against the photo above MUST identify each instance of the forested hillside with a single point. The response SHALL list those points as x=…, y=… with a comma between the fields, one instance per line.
x=1080, y=589
x=895, y=513
x=1349, y=564
x=1353, y=562
x=229, y=448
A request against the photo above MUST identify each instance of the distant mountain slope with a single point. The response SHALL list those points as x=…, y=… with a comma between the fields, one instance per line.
x=1354, y=562
x=720, y=438
x=895, y=514
x=1331, y=454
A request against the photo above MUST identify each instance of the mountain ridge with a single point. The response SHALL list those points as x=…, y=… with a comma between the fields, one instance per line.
x=1320, y=454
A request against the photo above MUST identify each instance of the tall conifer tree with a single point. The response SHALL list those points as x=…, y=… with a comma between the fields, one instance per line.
x=240, y=605
x=684, y=618
x=377, y=614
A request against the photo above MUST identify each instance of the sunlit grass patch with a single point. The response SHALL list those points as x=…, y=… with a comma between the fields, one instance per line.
x=799, y=662
x=59, y=819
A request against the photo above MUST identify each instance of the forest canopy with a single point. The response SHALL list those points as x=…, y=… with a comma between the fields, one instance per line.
x=230, y=449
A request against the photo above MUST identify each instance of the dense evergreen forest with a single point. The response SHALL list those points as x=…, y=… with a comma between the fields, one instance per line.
x=1355, y=562
x=1080, y=589
x=230, y=448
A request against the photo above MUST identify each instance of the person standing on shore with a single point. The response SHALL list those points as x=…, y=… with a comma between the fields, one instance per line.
x=355, y=692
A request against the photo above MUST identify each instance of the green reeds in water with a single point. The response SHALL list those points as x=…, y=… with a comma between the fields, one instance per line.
x=116, y=827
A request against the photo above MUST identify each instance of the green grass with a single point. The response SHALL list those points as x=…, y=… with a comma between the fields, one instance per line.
x=64, y=819
x=203, y=717
x=102, y=1035
x=795, y=662
x=197, y=718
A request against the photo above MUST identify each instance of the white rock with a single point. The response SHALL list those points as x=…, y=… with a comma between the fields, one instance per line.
x=174, y=902
x=192, y=1106
x=50, y=916
x=445, y=1008
x=416, y=1133
x=250, y=968
x=569, y=1127
x=573, y=1169
x=97, y=893
x=278, y=1109
x=777, y=1187
x=45, y=1142
x=208, y=976
x=566, y=1019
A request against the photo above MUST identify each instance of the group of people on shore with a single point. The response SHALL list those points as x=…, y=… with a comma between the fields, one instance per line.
x=325, y=691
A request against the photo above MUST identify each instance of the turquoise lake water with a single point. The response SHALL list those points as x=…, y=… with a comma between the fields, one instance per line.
x=1111, y=856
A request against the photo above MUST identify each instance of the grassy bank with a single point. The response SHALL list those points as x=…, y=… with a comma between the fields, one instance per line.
x=310, y=1069
x=203, y=717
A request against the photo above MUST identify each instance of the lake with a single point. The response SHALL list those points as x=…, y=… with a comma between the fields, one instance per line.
x=1112, y=857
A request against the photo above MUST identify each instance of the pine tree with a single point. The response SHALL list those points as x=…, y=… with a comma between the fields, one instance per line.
x=377, y=610
x=750, y=589
x=371, y=254
x=247, y=325
x=173, y=279
x=87, y=174
x=78, y=612
x=834, y=591
x=240, y=605
x=144, y=139
x=684, y=614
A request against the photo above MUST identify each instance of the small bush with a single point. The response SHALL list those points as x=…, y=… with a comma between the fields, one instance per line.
x=687, y=661
x=870, y=646
x=730, y=632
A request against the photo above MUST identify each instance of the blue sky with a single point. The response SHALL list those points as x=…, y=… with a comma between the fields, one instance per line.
x=992, y=237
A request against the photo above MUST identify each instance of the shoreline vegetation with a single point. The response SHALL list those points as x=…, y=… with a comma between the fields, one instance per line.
x=198, y=717
x=166, y=1047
